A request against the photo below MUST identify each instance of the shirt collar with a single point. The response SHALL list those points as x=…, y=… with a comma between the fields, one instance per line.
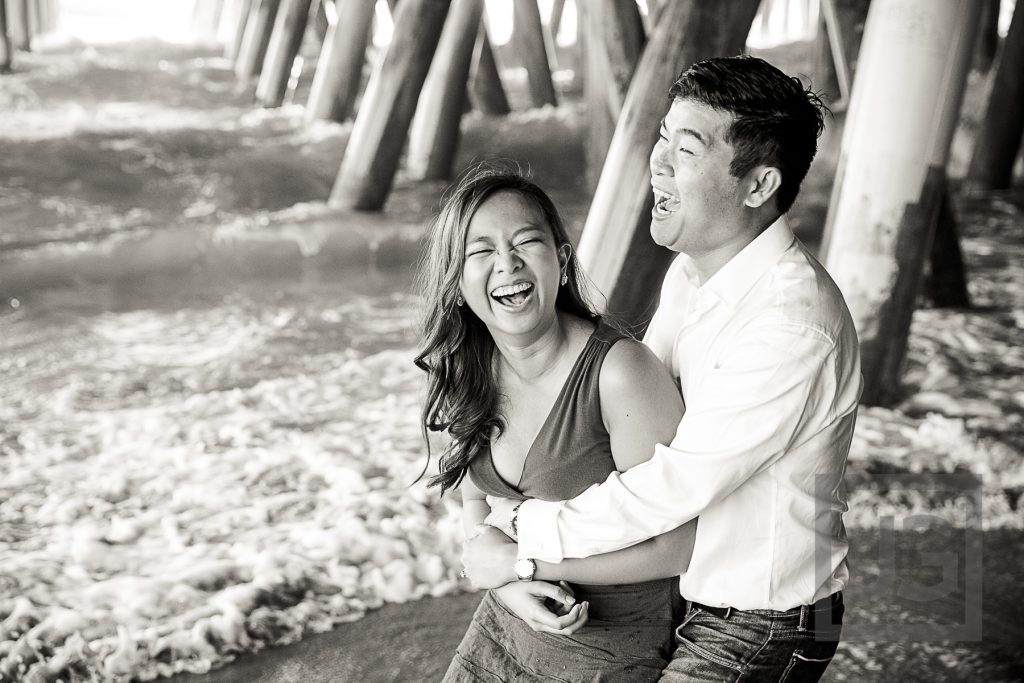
x=735, y=278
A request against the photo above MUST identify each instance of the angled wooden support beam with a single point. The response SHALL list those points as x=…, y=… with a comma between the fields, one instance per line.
x=838, y=49
x=319, y=17
x=613, y=45
x=285, y=40
x=486, y=92
x=434, y=137
x=368, y=168
x=528, y=35
x=257, y=36
x=616, y=248
x=339, y=70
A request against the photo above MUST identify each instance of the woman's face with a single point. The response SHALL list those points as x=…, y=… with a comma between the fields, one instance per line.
x=512, y=267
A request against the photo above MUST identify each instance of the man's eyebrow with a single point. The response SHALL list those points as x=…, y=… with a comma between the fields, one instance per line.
x=695, y=133
x=688, y=131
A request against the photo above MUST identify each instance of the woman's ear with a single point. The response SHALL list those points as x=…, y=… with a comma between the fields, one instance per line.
x=564, y=255
x=764, y=183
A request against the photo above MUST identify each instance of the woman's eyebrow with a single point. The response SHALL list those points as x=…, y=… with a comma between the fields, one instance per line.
x=528, y=228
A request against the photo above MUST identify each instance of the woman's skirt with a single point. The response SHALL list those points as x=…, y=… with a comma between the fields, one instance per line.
x=628, y=637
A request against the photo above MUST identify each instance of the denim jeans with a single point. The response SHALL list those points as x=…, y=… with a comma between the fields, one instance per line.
x=756, y=645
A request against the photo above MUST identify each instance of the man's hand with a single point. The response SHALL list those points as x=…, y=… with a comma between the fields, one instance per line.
x=500, y=516
x=487, y=558
x=544, y=606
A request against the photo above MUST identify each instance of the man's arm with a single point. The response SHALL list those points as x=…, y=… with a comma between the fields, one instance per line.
x=740, y=420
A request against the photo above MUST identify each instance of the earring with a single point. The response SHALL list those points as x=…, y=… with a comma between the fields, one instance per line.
x=459, y=301
x=565, y=277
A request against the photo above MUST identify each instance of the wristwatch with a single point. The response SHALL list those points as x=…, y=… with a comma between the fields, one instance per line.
x=525, y=569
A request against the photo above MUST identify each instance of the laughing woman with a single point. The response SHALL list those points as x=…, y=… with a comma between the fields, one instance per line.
x=542, y=399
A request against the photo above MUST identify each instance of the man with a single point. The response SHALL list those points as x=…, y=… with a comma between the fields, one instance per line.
x=767, y=360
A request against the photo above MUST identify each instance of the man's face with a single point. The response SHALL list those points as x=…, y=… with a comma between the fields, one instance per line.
x=699, y=207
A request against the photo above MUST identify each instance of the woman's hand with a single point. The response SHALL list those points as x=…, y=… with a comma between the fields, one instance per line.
x=544, y=606
x=488, y=557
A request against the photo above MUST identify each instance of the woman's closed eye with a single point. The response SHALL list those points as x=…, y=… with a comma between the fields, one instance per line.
x=528, y=241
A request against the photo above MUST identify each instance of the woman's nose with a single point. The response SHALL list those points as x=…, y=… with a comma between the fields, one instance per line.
x=508, y=260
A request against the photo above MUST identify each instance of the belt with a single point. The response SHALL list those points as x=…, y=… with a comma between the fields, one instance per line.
x=823, y=611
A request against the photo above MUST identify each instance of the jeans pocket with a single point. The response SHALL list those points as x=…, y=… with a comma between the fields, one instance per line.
x=726, y=643
x=803, y=668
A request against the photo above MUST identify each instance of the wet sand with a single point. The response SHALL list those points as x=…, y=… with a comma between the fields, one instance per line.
x=413, y=643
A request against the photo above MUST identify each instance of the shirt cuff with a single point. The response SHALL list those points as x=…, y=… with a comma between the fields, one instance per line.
x=537, y=531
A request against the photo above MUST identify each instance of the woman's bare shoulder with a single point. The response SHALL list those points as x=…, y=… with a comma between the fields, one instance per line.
x=630, y=363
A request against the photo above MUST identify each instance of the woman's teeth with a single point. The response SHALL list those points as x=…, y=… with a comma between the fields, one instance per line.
x=512, y=295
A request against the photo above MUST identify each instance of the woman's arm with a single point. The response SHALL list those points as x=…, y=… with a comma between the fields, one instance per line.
x=474, y=506
x=641, y=407
x=527, y=599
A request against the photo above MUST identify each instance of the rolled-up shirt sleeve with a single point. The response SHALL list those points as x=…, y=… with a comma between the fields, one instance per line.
x=743, y=415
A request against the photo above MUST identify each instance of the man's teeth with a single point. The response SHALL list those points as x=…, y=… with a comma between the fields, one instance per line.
x=665, y=203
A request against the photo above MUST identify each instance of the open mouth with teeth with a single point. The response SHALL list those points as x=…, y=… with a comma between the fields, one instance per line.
x=664, y=204
x=512, y=296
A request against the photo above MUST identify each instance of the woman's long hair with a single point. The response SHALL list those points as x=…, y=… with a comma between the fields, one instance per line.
x=456, y=349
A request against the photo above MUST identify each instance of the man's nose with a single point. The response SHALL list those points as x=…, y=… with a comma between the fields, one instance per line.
x=659, y=160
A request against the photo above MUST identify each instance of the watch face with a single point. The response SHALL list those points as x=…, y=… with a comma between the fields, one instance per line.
x=525, y=569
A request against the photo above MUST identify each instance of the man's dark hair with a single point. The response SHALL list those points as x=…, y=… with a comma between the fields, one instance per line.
x=776, y=120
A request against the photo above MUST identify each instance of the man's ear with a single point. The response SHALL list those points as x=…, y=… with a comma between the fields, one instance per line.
x=764, y=183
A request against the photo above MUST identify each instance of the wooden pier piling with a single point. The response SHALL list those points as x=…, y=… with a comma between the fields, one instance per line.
x=5, y=42
x=613, y=45
x=285, y=40
x=434, y=136
x=528, y=36
x=371, y=159
x=486, y=92
x=237, y=19
x=891, y=179
x=339, y=70
x=257, y=36
x=18, y=25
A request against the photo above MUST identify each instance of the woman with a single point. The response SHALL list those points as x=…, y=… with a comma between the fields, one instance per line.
x=536, y=390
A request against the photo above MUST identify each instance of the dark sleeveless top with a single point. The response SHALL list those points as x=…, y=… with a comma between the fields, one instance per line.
x=629, y=634
x=573, y=450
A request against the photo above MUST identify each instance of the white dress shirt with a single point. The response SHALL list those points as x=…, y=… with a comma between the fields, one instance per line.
x=768, y=363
